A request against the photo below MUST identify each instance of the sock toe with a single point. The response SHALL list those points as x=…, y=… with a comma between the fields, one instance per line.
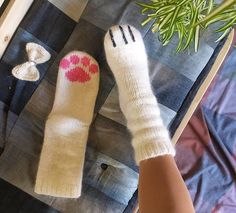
x=122, y=36
x=124, y=49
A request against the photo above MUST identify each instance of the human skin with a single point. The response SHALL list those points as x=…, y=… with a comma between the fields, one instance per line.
x=161, y=187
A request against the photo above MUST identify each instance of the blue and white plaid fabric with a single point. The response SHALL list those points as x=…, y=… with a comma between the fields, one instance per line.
x=110, y=176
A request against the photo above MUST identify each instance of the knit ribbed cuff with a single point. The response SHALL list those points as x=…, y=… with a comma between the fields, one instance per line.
x=58, y=189
x=153, y=149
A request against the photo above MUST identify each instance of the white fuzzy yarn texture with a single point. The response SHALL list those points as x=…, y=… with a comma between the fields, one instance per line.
x=60, y=170
x=126, y=56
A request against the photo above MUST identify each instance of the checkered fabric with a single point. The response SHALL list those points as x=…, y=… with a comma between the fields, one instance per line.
x=110, y=174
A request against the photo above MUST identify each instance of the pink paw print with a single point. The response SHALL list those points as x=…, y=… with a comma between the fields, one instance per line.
x=78, y=68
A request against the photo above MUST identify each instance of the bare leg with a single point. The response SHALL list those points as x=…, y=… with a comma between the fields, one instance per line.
x=161, y=187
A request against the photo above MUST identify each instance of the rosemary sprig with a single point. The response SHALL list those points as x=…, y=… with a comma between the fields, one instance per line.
x=188, y=19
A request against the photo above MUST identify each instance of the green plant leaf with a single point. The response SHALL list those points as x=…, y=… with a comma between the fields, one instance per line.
x=188, y=19
x=227, y=25
x=223, y=35
x=196, y=38
x=223, y=6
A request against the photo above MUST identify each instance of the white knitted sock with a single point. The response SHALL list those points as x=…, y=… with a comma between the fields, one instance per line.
x=62, y=158
x=126, y=56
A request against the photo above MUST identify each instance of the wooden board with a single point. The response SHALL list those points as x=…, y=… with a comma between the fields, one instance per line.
x=10, y=20
x=216, y=66
x=72, y=8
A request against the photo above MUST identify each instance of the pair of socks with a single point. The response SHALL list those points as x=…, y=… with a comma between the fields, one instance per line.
x=61, y=164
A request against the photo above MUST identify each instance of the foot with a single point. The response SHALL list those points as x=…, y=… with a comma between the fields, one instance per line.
x=126, y=56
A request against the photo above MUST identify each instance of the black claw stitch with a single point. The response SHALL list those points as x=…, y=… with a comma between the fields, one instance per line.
x=123, y=35
x=131, y=33
x=112, y=38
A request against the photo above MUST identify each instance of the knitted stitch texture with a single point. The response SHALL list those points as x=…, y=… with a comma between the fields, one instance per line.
x=126, y=56
x=28, y=70
x=61, y=164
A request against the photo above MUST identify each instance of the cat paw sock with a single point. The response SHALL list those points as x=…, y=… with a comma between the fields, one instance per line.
x=61, y=163
x=126, y=56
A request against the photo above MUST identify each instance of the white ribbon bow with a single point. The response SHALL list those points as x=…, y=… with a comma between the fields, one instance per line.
x=28, y=70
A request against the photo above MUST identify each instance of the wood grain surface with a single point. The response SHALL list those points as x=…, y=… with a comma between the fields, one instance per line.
x=10, y=20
